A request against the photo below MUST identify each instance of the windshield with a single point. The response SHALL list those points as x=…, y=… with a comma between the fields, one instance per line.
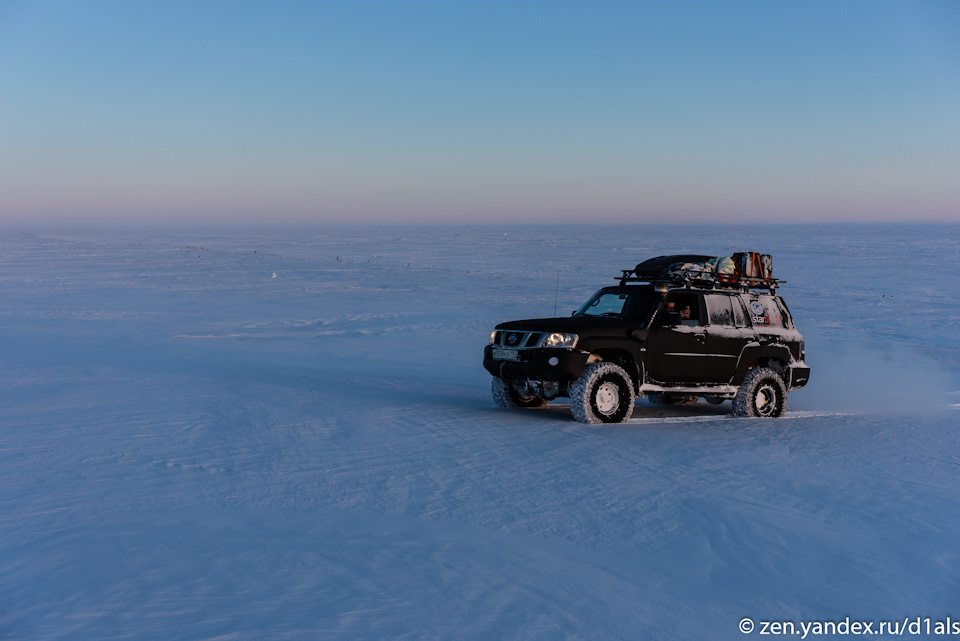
x=621, y=302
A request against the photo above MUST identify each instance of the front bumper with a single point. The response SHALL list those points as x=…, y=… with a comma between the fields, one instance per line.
x=534, y=364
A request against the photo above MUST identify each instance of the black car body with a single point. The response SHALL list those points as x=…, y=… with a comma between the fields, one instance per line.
x=675, y=340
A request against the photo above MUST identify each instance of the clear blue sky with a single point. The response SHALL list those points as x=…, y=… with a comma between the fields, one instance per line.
x=489, y=111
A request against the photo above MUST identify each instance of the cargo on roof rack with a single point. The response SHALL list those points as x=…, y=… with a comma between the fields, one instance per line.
x=742, y=271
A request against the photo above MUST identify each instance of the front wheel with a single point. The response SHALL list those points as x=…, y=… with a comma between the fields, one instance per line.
x=762, y=394
x=602, y=394
x=505, y=395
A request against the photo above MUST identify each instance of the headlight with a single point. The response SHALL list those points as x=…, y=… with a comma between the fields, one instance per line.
x=560, y=340
x=493, y=337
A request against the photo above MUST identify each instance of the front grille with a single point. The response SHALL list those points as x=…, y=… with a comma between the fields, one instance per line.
x=512, y=339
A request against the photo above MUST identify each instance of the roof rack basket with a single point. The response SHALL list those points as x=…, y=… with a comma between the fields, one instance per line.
x=702, y=280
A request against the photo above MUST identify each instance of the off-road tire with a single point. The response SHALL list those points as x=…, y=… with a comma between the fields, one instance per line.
x=602, y=394
x=763, y=394
x=504, y=395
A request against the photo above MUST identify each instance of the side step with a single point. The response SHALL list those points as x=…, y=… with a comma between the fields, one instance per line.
x=701, y=390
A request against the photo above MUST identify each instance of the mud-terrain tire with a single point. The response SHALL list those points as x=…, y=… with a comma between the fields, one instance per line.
x=602, y=394
x=763, y=394
x=504, y=395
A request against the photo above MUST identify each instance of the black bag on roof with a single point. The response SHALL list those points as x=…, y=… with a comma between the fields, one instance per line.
x=660, y=266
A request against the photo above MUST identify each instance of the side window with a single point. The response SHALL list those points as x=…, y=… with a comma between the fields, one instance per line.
x=684, y=309
x=764, y=312
x=721, y=313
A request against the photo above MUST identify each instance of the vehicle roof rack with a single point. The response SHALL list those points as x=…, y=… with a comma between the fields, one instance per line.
x=692, y=271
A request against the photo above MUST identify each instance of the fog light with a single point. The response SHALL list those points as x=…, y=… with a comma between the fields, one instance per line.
x=553, y=361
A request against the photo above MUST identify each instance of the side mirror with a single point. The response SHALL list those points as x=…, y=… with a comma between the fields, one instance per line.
x=640, y=334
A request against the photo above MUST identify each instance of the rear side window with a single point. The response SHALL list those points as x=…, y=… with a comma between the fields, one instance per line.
x=721, y=313
x=765, y=312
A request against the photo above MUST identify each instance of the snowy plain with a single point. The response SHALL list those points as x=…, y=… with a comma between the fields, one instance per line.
x=287, y=433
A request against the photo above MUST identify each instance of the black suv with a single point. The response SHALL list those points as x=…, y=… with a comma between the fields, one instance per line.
x=674, y=329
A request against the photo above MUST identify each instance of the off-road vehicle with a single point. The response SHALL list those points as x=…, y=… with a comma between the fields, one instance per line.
x=674, y=329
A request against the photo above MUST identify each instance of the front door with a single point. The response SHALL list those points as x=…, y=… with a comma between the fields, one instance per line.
x=677, y=350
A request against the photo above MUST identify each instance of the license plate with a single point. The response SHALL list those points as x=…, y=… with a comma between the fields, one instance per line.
x=505, y=355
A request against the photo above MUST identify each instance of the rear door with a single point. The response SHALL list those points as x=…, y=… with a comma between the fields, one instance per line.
x=727, y=334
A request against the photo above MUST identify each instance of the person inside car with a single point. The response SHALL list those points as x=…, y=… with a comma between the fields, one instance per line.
x=670, y=316
x=685, y=316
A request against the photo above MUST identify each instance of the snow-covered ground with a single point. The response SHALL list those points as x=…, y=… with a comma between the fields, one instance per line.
x=287, y=433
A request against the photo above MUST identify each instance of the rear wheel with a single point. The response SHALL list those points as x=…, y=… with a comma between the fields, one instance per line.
x=602, y=394
x=505, y=395
x=763, y=394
